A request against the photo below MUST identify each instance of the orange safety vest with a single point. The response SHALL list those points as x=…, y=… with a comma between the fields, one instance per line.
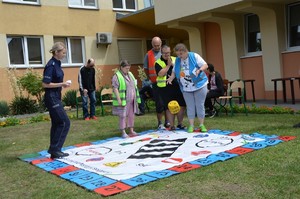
x=151, y=66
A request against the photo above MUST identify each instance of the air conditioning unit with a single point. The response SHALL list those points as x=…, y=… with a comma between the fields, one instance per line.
x=104, y=37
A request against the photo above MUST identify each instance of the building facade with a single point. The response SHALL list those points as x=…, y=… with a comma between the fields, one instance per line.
x=245, y=39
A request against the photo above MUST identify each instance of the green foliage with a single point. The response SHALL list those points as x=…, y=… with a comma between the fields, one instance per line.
x=69, y=99
x=4, y=109
x=37, y=118
x=12, y=121
x=32, y=83
x=23, y=105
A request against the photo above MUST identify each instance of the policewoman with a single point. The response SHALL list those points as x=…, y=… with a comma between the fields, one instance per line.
x=125, y=98
x=53, y=83
x=169, y=92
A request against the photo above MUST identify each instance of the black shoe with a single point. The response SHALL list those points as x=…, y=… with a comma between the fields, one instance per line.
x=140, y=114
x=58, y=154
x=297, y=125
x=180, y=126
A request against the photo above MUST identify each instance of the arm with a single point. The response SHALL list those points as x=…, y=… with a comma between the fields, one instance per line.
x=163, y=71
x=115, y=86
x=55, y=85
x=171, y=77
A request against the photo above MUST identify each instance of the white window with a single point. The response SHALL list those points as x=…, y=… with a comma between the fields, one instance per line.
x=131, y=50
x=34, y=2
x=148, y=3
x=294, y=25
x=90, y=4
x=124, y=5
x=75, y=50
x=25, y=51
x=253, y=36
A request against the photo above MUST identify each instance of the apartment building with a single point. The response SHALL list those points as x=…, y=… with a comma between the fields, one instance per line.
x=253, y=40
x=89, y=28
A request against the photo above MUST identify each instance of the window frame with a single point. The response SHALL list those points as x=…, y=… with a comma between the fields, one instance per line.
x=25, y=52
x=67, y=42
x=82, y=6
x=288, y=28
x=148, y=3
x=38, y=2
x=124, y=6
x=258, y=37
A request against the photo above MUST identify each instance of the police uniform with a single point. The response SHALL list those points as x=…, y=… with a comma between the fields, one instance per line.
x=60, y=123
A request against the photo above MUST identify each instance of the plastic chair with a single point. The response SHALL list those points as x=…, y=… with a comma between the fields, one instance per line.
x=105, y=98
x=237, y=91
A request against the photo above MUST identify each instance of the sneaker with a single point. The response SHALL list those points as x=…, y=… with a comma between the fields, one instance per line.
x=212, y=114
x=180, y=126
x=87, y=119
x=161, y=127
x=167, y=125
x=93, y=118
x=190, y=129
x=202, y=128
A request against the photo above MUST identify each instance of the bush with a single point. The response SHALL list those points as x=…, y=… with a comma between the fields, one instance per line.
x=4, y=109
x=23, y=105
x=69, y=98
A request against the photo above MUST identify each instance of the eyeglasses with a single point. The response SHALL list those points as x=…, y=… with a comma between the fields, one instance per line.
x=165, y=53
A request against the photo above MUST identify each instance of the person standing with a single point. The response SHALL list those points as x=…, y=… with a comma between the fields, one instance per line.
x=87, y=87
x=125, y=98
x=169, y=92
x=149, y=65
x=215, y=89
x=189, y=72
x=53, y=83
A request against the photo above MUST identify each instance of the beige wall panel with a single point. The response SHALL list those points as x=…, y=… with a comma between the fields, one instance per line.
x=185, y=8
x=4, y=51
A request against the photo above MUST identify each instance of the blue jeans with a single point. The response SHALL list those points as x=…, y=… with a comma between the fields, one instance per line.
x=92, y=96
x=60, y=123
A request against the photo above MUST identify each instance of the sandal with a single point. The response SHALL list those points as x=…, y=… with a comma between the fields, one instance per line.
x=133, y=134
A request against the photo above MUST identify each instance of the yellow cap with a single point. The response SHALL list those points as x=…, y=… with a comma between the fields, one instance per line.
x=174, y=107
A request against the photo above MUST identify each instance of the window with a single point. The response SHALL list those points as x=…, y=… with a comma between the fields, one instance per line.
x=294, y=25
x=74, y=50
x=148, y=3
x=127, y=5
x=34, y=2
x=25, y=51
x=131, y=50
x=91, y=4
x=253, y=36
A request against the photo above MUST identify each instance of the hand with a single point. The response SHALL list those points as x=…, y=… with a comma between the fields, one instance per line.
x=65, y=84
x=169, y=80
x=170, y=62
x=85, y=92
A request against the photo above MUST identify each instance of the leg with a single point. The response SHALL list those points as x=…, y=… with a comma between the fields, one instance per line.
x=190, y=107
x=92, y=96
x=200, y=95
x=60, y=126
x=84, y=105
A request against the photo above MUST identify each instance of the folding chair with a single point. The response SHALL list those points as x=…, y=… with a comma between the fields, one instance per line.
x=105, y=98
x=237, y=91
x=221, y=101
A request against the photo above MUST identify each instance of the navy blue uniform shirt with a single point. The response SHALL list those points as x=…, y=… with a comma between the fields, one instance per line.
x=53, y=73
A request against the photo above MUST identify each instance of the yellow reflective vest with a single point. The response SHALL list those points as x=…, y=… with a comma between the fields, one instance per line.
x=122, y=90
x=162, y=81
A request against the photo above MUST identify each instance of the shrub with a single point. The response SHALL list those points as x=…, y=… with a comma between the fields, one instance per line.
x=69, y=98
x=4, y=109
x=23, y=105
x=12, y=121
x=32, y=83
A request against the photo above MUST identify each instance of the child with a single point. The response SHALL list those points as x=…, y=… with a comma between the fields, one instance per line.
x=125, y=98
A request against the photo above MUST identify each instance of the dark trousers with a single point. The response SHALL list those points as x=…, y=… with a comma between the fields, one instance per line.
x=211, y=94
x=60, y=123
x=145, y=93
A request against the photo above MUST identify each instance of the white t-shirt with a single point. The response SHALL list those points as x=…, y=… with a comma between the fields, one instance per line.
x=185, y=78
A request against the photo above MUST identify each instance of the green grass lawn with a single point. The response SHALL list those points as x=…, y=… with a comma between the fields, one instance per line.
x=273, y=172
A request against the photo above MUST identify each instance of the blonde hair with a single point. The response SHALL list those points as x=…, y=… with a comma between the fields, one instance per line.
x=180, y=46
x=57, y=46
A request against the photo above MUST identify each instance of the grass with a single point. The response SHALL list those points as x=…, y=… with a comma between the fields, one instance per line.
x=272, y=172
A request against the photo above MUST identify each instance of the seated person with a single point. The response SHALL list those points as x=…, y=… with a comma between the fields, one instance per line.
x=215, y=89
x=145, y=93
